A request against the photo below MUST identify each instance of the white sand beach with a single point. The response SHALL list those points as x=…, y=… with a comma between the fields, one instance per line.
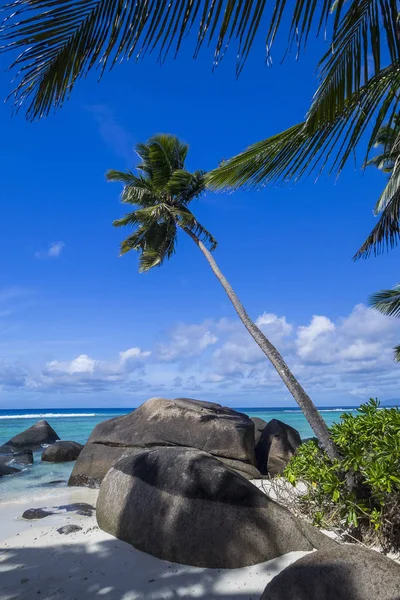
x=38, y=562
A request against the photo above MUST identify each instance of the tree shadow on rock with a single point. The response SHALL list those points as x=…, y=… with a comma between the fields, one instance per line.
x=203, y=514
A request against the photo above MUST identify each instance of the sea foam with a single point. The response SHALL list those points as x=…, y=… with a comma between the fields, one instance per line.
x=47, y=415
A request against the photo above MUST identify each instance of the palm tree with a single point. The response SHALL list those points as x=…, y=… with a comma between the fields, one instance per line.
x=161, y=193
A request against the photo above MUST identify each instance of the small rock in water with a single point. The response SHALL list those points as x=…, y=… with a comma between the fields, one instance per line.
x=69, y=529
x=36, y=513
x=7, y=470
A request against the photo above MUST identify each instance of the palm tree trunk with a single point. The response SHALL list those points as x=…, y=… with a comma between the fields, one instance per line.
x=311, y=413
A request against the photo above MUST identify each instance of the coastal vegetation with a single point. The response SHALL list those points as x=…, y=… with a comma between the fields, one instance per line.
x=162, y=193
x=369, y=444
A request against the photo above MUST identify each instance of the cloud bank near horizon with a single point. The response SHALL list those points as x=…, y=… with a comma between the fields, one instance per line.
x=345, y=360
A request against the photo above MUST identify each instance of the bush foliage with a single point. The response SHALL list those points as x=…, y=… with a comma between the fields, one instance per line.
x=369, y=444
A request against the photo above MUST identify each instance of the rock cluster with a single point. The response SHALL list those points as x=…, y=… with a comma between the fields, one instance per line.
x=226, y=434
x=17, y=453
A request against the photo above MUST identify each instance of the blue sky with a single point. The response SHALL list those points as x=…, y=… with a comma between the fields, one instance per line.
x=80, y=327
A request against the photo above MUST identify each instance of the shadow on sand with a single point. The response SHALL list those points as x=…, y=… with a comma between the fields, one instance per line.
x=114, y=570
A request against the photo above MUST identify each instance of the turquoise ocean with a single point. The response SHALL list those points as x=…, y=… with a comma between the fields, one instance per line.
x=77, y=424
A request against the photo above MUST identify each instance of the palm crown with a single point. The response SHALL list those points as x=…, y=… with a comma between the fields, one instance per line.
x=161, y=193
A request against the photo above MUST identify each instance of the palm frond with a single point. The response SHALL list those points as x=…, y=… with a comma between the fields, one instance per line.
x=186, y=186
x=148, y=259
x=135, y=241
x=137, y=190
x=160, y=244
x=386, y=233
x=125, y=177
x=166, y=154
x=186, y=220
x=60, y=41
x=366, y=32
x=131, y=219
x=393, y=185
x=387, y=302
x=397, y=353
x=155, y=243
x=300, y=149
x=388, y=137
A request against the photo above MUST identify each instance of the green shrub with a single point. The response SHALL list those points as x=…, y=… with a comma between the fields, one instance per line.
x=369, y=444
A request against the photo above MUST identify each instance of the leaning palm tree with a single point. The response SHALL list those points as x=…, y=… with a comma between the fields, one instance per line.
x=161, y=193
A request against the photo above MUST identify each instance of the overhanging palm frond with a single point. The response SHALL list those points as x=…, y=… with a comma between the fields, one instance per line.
x=387, y=301
x=300, y=149
x=388, y=137
x=60, y=41
x=366, y=32
x=393, y=185
x=397, y=353
x=386, y=233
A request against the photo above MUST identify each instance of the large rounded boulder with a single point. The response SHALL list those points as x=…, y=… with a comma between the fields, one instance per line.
x=184, y=505
x=63, y=451
x=347, y=572
x=275, y=447
x=223, y=432
x=37, y=435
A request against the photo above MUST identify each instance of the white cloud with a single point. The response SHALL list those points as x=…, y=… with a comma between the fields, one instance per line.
x=361, y=350
x=80, y=364
x=273, y=326
x=85, y=371
x=364, y=321
x=187, y=341
x=314, y=341
x=133, y=353
x=53, y=251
